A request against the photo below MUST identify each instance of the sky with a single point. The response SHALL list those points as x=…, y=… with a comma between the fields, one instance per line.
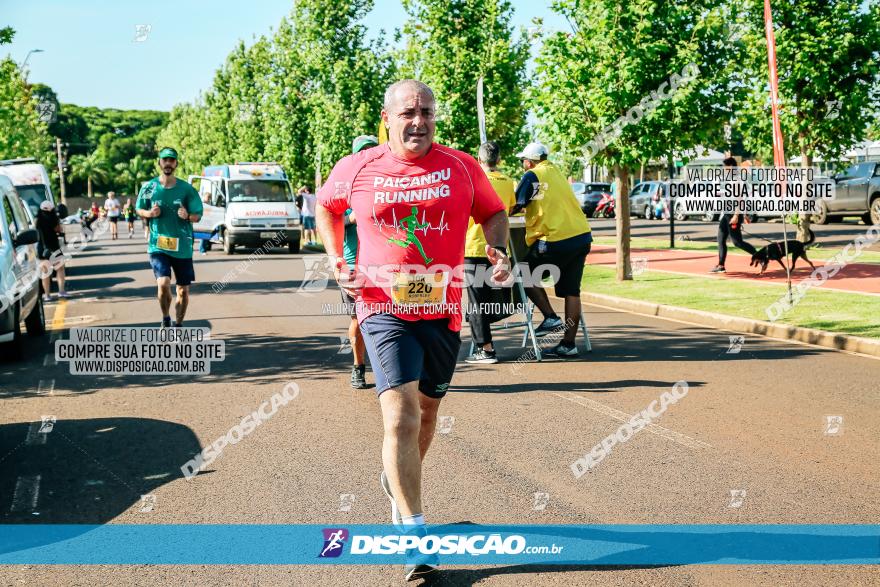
x=93, y=56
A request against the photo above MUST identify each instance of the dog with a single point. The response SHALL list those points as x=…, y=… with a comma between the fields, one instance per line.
x=776, y=251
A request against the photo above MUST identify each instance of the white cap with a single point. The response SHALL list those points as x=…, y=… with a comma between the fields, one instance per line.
x=47, y=205
x=533, y=151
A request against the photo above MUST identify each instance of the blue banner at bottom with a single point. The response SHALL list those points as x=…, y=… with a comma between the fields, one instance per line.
x=463, y=544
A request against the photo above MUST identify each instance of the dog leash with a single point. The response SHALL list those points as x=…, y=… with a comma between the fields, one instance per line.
x=758, y=236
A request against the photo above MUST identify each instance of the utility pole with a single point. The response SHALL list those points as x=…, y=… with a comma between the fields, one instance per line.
x=63, y=190
x=671, y=163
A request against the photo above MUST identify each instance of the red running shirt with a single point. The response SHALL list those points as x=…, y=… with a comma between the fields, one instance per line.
x=412, y=217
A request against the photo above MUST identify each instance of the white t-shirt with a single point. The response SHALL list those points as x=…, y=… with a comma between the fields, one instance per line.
x=112, y=207
x=310, y=202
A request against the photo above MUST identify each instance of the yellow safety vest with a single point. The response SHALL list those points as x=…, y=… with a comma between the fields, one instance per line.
x=553, y=214
x=475, y=243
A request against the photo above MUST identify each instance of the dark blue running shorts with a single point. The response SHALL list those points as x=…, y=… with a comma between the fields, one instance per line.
x=184, y=273
x=402, y=351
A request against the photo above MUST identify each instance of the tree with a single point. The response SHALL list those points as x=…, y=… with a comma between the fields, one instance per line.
x=634, y=81
x=6, y=35
x=298, y=97
x=828, y=56
x=22, y=134
x=132, y=172
x=90, y=167
x=450, y=44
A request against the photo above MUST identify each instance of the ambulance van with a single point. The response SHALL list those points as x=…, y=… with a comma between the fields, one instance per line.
x=248, y=205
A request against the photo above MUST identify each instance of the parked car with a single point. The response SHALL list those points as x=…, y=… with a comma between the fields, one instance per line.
x=680, y=213
x=20, y=299
x=641, y=198
x=857, y=194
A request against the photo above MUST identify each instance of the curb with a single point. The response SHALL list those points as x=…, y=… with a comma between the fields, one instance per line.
x=823, y=338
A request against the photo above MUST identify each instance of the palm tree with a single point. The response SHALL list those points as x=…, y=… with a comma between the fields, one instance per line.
x=91, y=167
x=131, y=172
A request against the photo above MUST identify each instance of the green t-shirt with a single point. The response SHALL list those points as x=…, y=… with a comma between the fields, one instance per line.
x=350, y=242
x=170, y=234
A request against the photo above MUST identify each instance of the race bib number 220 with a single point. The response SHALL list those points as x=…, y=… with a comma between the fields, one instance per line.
x=419, y=289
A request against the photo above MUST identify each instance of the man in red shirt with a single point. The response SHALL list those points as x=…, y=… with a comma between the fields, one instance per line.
x=413, y=199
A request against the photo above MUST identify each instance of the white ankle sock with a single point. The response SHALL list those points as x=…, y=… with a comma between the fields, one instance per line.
x=414, y=520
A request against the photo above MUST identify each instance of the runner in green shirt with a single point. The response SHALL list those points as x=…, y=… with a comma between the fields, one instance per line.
x=171, y=205
x=130, y=216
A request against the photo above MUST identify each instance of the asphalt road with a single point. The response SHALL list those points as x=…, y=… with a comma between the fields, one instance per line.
x=753, y=421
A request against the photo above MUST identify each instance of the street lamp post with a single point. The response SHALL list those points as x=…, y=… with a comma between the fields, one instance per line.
x=27, y=57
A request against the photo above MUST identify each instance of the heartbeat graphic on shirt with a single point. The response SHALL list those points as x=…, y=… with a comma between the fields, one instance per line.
x=424, y=226
x=410, y=225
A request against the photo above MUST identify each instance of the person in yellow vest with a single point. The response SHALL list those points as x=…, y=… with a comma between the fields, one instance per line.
x=558, y=234
x=481, y=294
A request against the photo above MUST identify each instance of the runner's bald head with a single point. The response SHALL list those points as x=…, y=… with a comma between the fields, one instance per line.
x=408, y=114
x=405, y=84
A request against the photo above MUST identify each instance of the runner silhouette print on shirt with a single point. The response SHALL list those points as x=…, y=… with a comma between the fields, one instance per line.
x=410, y=224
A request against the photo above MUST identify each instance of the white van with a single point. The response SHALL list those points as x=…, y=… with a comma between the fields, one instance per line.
x=247, y=204
x=31, y=181
x=19, y=274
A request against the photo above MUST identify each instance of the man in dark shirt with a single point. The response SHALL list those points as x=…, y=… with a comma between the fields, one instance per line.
x=49, y=227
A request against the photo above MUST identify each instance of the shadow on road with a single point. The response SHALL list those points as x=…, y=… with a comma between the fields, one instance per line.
x=89, y=471
x=468, y=577
x=250, y=359
x=568, y=386
x=635, y=343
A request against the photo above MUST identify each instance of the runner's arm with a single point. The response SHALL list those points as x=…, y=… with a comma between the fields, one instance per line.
x=194, y=207
x=496, y=229
x=331, y=230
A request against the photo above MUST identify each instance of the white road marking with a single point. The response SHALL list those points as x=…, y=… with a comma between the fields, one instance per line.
x=33, y=435
x=46, y=387
x=678, y=437
x=26, y=494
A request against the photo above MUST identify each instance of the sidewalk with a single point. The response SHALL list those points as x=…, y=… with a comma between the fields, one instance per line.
x=861, y=278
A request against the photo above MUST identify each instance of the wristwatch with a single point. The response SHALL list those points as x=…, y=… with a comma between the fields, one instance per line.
x=501, y=248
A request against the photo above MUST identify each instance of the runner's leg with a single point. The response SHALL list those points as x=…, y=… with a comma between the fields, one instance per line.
x=358, y=349
x=401, y=454
x=164, y=285
x=429, y=406
x=181, y=303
